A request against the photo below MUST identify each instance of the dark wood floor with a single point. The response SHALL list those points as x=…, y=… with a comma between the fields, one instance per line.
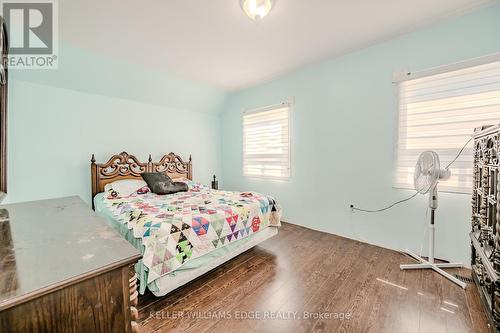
x=305, y=272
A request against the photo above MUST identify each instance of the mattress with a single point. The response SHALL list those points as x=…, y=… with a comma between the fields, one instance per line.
x=191, y=268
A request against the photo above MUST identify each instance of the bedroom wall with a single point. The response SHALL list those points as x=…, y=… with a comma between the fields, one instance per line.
x=343, y=131
x=88, y=72
x=94, y=104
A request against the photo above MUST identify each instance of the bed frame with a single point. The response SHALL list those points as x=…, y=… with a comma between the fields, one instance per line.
x=126, y=166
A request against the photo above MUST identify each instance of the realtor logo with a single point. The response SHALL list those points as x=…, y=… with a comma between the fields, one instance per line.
x=32, y=28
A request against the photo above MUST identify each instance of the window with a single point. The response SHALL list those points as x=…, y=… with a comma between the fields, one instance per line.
x=266, y=142
x=439, y=112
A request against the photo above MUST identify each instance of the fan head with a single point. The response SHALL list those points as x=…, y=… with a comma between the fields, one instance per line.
x=428, y=172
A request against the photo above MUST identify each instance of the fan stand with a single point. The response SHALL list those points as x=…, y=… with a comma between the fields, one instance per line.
x=424, y=264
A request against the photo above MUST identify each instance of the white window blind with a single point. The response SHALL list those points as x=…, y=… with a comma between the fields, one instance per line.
x=266, y=143
x=439, y=112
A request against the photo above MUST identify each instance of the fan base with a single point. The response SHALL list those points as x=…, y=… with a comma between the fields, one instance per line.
x=424, y=264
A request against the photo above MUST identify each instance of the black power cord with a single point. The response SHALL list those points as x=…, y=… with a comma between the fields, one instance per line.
x=385, y=208
x=459, y=153
x=413, y=195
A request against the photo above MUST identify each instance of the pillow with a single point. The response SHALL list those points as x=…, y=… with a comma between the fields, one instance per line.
x=160, y=183
x=193, y=186
x=126, y=187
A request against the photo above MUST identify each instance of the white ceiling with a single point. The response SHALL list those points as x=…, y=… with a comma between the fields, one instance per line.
x=212, y=41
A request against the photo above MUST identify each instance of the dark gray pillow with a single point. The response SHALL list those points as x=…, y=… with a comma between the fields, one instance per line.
x=161, y=183
x=174, y=187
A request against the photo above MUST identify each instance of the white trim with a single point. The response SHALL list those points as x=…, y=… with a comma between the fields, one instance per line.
x=396, y=140
x=286, y=103
x=401, y=187
x=289, y=103
x=405, y=75
x=407, y=79
x=354, y=236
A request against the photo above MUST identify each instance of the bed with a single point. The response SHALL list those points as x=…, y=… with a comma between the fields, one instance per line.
x=183, y=235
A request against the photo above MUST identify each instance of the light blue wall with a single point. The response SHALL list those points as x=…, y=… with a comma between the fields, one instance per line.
x=93, y=104
x=92, y=73
x=343, y=130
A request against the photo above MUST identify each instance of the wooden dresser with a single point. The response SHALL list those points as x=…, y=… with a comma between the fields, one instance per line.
x=63, y=269
x=485, y=233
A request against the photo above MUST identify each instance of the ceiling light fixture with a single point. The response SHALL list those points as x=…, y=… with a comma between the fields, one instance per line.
x=257, y=9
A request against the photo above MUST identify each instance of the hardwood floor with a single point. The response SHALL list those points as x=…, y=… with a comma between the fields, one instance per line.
x=308, y=281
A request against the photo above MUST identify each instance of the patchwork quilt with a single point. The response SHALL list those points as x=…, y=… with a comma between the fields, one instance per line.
x=178, y=227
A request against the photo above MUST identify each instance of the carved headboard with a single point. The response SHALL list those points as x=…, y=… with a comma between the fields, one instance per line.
x=126, y=166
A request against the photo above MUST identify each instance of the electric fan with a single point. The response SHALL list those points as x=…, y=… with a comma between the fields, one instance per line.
x=426, y=177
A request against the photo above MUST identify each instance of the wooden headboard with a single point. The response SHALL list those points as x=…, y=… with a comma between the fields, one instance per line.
x=126, y=166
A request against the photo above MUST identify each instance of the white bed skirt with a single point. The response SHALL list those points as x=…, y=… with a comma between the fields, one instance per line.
x=169, y=283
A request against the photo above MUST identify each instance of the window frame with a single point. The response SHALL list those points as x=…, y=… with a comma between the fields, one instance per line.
x=406, y=75
x=288, y=104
